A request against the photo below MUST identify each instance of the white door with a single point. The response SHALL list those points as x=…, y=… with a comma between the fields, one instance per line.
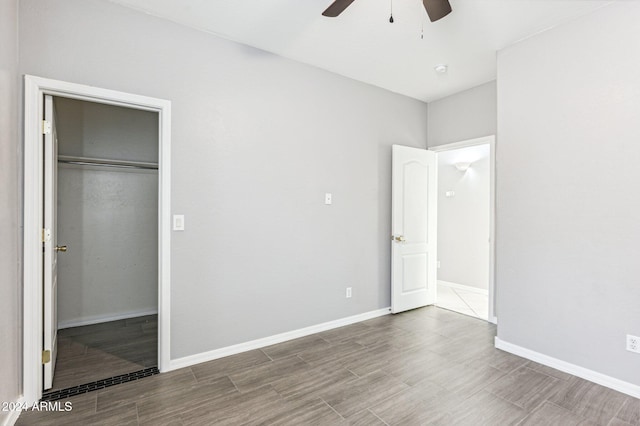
x=414, y=227
x=51, y=248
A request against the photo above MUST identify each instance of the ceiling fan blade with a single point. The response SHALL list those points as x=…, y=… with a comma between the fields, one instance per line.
x=437, y=9
x=337, y=7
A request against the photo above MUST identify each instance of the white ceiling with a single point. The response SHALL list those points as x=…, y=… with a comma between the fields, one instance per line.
x=363, y=45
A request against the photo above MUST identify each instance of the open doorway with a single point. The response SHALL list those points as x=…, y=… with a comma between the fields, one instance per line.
x=107, y=227
x=465, y=227
x=82, y=170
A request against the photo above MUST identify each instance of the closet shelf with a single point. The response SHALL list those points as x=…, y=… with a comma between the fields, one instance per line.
x=86, y=161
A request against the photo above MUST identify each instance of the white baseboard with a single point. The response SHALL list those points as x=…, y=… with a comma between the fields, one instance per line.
x=187, y=361
x=12, y=418
x=97, y=319
x=463, y=287
x=576, y=370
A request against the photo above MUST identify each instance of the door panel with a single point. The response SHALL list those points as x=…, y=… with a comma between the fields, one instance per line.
x=50, y=285
x=414, y=240
x=414, y=272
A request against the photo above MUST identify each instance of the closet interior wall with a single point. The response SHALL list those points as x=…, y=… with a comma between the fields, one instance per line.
x=107, y=214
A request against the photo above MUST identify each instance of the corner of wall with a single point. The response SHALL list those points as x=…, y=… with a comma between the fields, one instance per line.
x=465, y=115
x=10, y=202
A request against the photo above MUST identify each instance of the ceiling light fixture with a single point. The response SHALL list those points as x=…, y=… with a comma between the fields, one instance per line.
x=462, y=166
x=441, y=68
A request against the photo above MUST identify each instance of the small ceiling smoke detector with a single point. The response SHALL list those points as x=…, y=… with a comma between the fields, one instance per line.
x=441, y=68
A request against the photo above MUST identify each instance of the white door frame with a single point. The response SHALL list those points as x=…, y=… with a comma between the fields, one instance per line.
x=491, y=140
x=35, y=89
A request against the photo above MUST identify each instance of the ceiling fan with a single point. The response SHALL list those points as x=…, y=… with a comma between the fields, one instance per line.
x=436, y=9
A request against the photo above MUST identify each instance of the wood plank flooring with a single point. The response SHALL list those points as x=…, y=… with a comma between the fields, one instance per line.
x=424, y=367
x=99, y=351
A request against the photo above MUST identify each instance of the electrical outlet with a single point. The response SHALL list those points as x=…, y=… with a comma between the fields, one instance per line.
x=348, y=292
x=633, y=343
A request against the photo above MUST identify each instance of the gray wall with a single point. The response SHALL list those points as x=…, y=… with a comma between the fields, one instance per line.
x=568, y=202
x=106, y=216
x=10, y=238
x=463, y=220
x=257, y=141
x=466, y=115
x=88, y=129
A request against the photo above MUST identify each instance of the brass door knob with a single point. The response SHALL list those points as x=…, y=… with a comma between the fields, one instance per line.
x=61, y=248
x=399, y=239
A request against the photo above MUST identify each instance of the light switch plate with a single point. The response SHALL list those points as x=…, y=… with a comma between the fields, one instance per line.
x=178, y=222
x=327, y=198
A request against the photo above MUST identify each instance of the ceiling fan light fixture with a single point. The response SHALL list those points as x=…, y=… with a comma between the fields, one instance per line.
x=436, y=9
x=441, y=68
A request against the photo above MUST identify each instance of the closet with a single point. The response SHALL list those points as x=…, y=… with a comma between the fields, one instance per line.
x=107, y=217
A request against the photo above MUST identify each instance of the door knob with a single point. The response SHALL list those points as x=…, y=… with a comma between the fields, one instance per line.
x=399, y=239
x=61, y=248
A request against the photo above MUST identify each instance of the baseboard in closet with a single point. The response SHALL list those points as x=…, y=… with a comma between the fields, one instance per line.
x=78, y=322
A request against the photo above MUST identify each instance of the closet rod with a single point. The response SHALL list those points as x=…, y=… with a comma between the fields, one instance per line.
x=85, y=161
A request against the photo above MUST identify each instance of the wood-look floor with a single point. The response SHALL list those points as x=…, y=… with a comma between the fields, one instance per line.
x=100, y=351
x=425, y=367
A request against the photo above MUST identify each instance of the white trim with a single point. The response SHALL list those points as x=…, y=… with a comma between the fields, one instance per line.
x=272, y=340
x=567, y=367
x=97, y=319
x=463, y=287
x=491, y=140
x=12, y=418
x=463, y=144
x=32, y=257
x=35, y=88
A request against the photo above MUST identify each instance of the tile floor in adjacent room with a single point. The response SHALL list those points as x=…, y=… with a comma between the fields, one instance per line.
x=466, y=302
x=99, y=351
x=429, y=366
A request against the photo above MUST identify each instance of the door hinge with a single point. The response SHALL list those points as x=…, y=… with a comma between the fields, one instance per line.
x=46, y=235
x=46, y=127
x=46, y=357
